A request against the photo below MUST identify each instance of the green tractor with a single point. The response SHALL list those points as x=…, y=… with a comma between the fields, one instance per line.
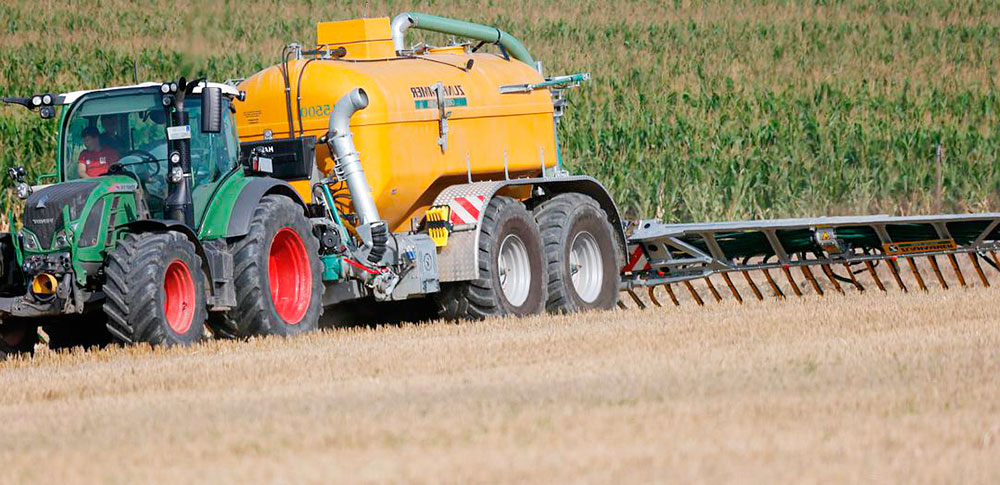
x=158, y=230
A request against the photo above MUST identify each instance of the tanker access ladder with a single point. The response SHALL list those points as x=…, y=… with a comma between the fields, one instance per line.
x=844, y=249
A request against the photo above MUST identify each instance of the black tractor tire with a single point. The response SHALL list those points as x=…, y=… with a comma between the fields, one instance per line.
x=485, y=296
x=279, y=231
x=87, y=330
x=568, y=219
x=155, y=290
x=18, y=336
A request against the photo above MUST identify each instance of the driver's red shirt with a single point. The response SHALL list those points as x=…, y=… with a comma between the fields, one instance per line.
x=97, y=163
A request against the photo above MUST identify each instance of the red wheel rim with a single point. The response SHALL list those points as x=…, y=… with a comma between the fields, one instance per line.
x=290, y=276
x=179, y=297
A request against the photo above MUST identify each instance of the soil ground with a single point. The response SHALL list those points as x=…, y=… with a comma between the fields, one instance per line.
x=872, y=387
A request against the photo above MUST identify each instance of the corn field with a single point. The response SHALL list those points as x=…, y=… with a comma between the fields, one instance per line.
x=696, y=110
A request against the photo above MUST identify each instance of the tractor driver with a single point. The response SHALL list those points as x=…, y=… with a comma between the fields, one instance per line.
x=111, y=138
x=94, y=160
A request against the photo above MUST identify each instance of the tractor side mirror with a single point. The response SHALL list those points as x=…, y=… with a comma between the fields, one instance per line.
x=211, y=110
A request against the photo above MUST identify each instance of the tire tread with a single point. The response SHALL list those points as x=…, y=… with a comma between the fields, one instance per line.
x=132, y=284
x=478, y=299
x=554, y=216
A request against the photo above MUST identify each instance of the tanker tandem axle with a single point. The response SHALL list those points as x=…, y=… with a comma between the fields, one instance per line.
x=367, y=169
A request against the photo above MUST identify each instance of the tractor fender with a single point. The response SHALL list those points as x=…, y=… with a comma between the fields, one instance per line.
x=163, y=225
x=248, y=200
x=457, y=261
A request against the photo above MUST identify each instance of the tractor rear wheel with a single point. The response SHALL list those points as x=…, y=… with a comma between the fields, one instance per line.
x=18, y=336
x=279, y=290
x=511, y=268
x=155, y=290
x=582, y=255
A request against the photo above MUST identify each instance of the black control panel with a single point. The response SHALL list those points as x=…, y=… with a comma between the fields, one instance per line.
x=286, y=159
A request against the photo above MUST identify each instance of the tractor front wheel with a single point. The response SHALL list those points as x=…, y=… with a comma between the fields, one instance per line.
x=155, y=290
x=279, y=290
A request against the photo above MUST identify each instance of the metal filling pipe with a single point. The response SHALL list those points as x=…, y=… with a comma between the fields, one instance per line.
x=402, y=22
x=348, y=161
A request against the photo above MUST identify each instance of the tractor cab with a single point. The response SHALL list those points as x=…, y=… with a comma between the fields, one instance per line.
x=128, y=131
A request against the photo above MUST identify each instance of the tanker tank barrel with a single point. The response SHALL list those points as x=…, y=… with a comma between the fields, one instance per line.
x=418, y=103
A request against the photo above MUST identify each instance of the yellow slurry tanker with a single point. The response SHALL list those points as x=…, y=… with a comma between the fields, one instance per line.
x=460, y=145
x=438, y=169
x=368, y=168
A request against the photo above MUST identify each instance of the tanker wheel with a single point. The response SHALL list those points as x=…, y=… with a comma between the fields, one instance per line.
x=279, y=290
x=155, y=290
x=18, y=336
x=581, y=252
x=87, y=330
x=511, y=268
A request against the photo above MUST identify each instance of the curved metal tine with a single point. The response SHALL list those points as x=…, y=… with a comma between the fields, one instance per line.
x=995, y=259
x=916, y=274
x=652, y=296
x=878, y=281
x=979, y=269
x=791, y=281
x=637, y=300
x=958, y=271
x=694, y=294
x=829, y=276
x=673, y=297
x=621, y=304
x=937, y=271
x=854, y=279
x=656, y=301
x=753, y=286
x=732, y=287
x=895, y=274
x=774, y=286
x=812, y=280
x=711, y=287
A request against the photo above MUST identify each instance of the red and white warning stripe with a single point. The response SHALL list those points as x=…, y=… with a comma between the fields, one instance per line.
x=465, y=210
x=636, y=260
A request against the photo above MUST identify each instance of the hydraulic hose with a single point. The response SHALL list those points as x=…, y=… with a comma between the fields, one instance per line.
x=380, y=238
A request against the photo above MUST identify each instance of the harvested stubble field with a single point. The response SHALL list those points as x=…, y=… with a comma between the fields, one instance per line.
x=899, y=387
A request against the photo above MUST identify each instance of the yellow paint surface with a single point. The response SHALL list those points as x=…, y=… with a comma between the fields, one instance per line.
x=397, y=135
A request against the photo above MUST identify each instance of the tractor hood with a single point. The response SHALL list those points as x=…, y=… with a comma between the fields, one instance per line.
x=49, y=211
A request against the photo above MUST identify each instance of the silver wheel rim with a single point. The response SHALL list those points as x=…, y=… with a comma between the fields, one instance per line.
x=515, y=270
x=586, y=267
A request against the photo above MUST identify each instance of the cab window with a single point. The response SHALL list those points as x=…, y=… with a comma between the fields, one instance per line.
x=130, y=129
